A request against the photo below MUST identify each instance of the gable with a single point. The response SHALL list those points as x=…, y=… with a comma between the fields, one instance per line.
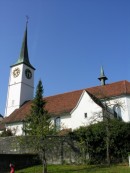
x=85, y=109
x=88, y=98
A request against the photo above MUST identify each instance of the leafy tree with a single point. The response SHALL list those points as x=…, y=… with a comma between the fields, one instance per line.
x=38, y=125
x=106, y=114
x=119, y=140
x=93, y=140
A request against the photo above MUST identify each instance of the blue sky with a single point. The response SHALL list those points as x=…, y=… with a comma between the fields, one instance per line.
x=68, y=41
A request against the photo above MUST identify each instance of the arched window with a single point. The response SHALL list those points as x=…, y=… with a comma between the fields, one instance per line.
x=117, y=111
x=57, y=123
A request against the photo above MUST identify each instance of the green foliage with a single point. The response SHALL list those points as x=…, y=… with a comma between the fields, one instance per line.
x=38, y=122
x=119, y=140
x=38, y=125
x=6, y=132
x=93, y=139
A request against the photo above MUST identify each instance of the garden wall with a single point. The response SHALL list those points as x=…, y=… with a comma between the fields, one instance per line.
x=59, y=150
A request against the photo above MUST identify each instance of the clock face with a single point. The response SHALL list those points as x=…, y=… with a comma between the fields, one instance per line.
x=16, y=72
x=28, y=74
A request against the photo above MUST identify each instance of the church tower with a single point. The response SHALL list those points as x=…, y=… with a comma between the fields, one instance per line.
x=21, y=81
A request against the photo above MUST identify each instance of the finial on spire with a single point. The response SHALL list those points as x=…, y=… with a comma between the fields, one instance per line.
x=27, y=18
x=102, y=77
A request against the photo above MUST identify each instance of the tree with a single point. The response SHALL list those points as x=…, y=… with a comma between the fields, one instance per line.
x=106, y=114
x=92, y=138
x=38, y=124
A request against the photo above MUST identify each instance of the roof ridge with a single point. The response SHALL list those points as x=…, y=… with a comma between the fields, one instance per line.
x=64, y=93
x=98, y=86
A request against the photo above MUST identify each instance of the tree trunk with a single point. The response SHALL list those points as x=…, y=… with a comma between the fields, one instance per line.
x=107, y=144
x=106, y=120
x=61, y=151
x=44, y=161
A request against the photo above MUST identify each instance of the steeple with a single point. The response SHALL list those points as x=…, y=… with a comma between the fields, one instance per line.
x=23, y=57
x=21, y=80
x=102, y=77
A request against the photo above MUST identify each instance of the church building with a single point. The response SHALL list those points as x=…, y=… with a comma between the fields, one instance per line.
x=68, y=110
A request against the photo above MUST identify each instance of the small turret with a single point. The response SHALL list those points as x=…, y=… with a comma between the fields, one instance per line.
x=102, y=77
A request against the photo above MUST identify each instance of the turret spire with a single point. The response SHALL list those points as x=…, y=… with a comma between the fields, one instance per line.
x=102, y=77
x=23, y=57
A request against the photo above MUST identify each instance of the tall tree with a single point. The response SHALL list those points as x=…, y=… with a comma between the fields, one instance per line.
x=106, y=114
x=38, y=124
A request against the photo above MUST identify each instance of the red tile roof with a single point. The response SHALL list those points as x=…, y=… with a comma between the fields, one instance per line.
x=64, y=103
x=111, y=90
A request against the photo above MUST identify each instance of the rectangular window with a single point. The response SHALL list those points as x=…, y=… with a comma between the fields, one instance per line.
x=57, y=123
x=85, y=115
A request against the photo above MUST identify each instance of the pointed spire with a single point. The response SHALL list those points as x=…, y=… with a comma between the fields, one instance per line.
x=102, y=77
x=24, y=58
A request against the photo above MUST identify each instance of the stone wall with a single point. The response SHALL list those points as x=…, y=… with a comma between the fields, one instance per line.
x=59, y=150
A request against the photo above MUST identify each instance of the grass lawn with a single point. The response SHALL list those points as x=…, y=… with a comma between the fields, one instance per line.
x=77, y=169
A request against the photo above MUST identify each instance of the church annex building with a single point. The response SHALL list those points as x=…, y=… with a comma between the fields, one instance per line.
x=69, y=110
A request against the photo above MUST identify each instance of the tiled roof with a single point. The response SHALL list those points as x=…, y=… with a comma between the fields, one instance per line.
x=111, y=90
x=19, y=114
x=55, y=105
x=66, y=102
x=96, y=100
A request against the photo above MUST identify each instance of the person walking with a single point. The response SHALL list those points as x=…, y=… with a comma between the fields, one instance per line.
x=11, y=168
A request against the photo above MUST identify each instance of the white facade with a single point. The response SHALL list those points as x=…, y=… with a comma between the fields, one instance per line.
x=81, y=115
x=20, y=88
x=16, y=128
x=83, y=112
x=124, y=103
x=87, y=111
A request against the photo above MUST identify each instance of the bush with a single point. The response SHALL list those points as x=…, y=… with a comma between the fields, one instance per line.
x=6, y=132
x=92, y=140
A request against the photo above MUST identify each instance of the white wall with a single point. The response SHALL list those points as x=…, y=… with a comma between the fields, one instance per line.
x=124, y=102
x=66, y=121
x=126, y=116
x=20, y=89
x=85, y=105
x=76, y=118
x=16, y=128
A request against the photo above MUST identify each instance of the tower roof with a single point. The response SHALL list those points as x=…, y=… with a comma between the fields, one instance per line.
x=23, y=57
x=102, y=77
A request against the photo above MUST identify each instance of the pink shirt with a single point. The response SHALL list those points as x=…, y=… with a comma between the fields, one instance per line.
x=12, y=169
